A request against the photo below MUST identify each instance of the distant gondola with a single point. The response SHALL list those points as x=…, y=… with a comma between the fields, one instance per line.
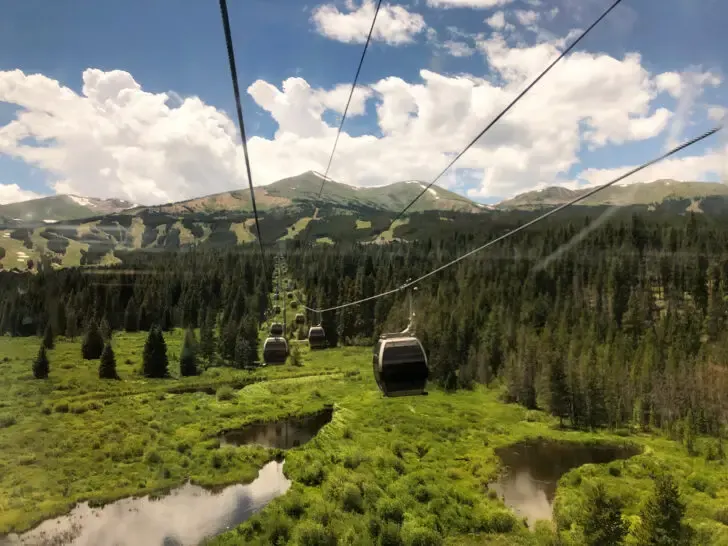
x=300, y=319
x=317, y=337
x=275, y=350
x=276, y=329
x=290, y=295
x=276, y=310
x=400, y=365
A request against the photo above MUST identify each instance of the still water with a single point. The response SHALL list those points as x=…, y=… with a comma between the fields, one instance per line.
x=287, y=434
x=533, y=469
x=185, y=516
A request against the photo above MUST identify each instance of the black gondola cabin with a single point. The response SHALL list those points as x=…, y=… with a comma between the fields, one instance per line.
x=275, y=350
x=400, y=365
x=317, y=337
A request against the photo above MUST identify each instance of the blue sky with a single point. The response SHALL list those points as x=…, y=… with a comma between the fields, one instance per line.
x=178, y=46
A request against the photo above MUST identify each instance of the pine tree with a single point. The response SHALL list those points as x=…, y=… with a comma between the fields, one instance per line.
x=661, y=517
x=131, y=318
x=48, y=341
x=92, y=344
x=71, y=324
x=107, y=366
x=155, y=363
x=41, y=366
x=105, y=330
x=188, y=358
x=241, y=357
x=167, y=322
x=601, y=519
x=559, y=396
x=227, y=341
x=207, y=337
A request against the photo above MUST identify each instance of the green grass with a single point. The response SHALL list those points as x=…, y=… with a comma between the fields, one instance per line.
x=417, y=468
x=325, y=240
x=299, y=226
x=363, y=224
x=389, y=234
x=242, y=232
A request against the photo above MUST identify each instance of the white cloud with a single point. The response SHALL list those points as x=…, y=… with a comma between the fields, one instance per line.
x=477, y=4
x=12, y=193
x=527, y=17
x=115, y=139
x=689, y=168
x=497, y=20
x=395, y=25
x=458, y=49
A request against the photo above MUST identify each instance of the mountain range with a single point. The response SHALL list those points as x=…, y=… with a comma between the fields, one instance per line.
x=74, y=230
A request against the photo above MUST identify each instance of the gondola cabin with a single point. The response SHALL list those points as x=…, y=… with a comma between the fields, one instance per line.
x=317, y=338
x=290, y=295
x=400, y=365
x=276, y=310
x=275, y=350
x=276, y=329
x=300, y=319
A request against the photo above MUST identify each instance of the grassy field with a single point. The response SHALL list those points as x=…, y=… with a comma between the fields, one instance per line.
x=413, y=470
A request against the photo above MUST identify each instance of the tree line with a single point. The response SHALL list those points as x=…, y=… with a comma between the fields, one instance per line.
x=625, y=326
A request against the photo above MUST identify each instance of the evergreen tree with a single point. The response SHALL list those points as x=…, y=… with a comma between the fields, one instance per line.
x=167, y=321
x=661, y=517
x=155, y=361
x=558, y=389
x=60, y=319
x=105, y=330
x=207, y=337
x=107, y=366
x=71, y=324
x=227, y=341
x=48, y=341
x=601, y=519
x=188, y=358
x=243, y=357
x=131, y=317
x=41, y=366
x=92, y=344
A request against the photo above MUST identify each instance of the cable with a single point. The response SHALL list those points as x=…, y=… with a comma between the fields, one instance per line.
x=507, y=108
x=346, y=108
x=241, y=124
x=526, y=225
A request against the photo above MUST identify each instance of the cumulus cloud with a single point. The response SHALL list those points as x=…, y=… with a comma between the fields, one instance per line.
x=497, y=20
x=12, y=193
x=527, y=17
x=395, y=25
x=478, y=4
x=458, y=49
x=115, y=139
x=689, y=168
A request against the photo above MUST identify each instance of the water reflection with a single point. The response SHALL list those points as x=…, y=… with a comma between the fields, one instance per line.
x=186, y=516
x=533, y=469
x=293, y=432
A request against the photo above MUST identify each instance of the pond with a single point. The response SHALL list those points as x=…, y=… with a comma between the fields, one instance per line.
x=286, y=434
x=186, y=516
x=533, y=468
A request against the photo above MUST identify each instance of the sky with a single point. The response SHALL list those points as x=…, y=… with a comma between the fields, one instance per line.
x=134, y=99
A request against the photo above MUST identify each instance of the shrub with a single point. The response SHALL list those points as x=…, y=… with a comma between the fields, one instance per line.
x=310, y=533
x=225, y=393
x=7, y=421
x=312, y=474
x=351, y=499
x=391, y=510
x=389, y=535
